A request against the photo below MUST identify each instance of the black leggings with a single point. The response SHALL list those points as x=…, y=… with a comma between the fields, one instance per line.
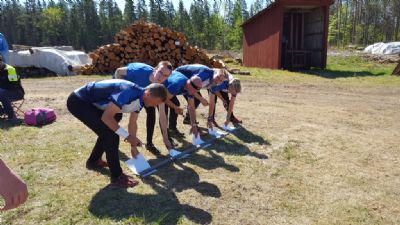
x=173, y=117
x=150, y=123
x=196, y=104
x=225, y=96
x=107, y=141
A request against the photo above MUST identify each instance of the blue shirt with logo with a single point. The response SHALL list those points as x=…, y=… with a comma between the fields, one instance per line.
x=125, y=94
x=139, y=73
x=205, y=73
x=220, y=87
x=175, y=83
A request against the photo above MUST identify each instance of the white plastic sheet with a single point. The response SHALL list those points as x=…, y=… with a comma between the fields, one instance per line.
x=138, y=164
x=197, y=140
x=214, y=132
x=381, y=48
x=54, y=59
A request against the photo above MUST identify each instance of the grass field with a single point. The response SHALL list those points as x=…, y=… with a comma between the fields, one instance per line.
x=313, y=149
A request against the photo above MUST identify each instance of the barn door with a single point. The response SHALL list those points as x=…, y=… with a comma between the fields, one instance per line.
x=294, y=55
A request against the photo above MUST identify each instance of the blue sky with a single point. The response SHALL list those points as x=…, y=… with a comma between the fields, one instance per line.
x=121, y=3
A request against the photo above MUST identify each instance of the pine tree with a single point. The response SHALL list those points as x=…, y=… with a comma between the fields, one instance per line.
x=153, y=15
x=245, y=11
x=129, y=12
x=182, y=19
x=252, y=11
x=257, y=6
x=169, y=14
x=228, y=12
x=91, y=25
x=142, y=12
x=161, y=15
x=234, y=37
x=104, y=22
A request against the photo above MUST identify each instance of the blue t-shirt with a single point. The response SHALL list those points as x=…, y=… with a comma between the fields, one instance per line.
x=205, y=73
x=139, y=73
x=220, y=87
x=125, y=94
x=175, y=83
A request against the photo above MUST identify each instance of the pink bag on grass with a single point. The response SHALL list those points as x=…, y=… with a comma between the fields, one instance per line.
x=39, y=116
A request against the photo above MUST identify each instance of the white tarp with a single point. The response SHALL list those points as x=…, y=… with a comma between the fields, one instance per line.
x=381, y=48
x=53, y=59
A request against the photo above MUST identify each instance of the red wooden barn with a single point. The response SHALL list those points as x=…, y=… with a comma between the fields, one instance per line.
x=288, y=34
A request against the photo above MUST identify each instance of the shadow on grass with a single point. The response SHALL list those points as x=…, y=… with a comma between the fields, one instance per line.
x=6, y=125
x=333, y=74
x=232, y=147
x=163, y=207
x=248, y=137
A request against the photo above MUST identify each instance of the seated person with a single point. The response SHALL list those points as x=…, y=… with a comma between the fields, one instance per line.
x=10, y=89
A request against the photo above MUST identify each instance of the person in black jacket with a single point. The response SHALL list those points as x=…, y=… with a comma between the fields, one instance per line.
x=10, y=89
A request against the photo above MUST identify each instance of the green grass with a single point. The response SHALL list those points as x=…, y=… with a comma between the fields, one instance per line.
x=314, y=154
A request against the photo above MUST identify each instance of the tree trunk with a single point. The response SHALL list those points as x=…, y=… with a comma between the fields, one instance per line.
x=345, y=22
x=396, y=32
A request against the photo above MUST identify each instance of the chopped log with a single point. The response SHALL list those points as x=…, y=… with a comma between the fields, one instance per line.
x=148, y=43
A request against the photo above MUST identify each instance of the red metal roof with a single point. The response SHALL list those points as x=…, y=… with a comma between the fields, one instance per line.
x=289, y=3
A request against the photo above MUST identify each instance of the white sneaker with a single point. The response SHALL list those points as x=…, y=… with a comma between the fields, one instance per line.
x=174, y=153
x=228, y=128
x=214, y=132
x=197, y=140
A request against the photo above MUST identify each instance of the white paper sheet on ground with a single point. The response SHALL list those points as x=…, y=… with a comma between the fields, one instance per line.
x=197, y=140
x=228, y=128
x=174, y=153
x=138, y=164
x=214, y=132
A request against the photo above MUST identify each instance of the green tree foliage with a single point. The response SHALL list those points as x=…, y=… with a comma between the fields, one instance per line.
x=210, y=24
x=364, y=22
x=142, y=12
x=53, y=19
x=129, y=12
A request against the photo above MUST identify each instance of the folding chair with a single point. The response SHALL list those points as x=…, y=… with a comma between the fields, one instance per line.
x=17, y=106
x=2, y=114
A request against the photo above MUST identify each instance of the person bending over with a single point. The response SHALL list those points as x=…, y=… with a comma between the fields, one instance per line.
x=144, y=75
x=209, y=77
x=179, y=84
x=222, y=91
x=99, y=106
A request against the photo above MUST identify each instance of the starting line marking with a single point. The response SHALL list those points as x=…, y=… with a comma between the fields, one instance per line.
x=184, y=154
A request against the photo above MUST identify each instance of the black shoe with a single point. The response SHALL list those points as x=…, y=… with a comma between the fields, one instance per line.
x=175, y=132
x=153, y=149
x=99, y=164
x=172, y=142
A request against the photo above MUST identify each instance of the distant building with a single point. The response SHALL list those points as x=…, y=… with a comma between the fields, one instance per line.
x=288, y=34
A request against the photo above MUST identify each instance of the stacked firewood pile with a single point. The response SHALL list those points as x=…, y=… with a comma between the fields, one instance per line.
x=148, y=43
